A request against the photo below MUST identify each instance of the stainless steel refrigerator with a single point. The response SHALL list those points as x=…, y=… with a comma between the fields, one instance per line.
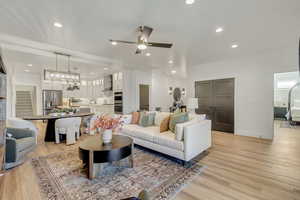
x=51, y=100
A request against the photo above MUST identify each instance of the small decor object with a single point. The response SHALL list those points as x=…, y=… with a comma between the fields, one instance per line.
x=107, y=136
x=107, y=124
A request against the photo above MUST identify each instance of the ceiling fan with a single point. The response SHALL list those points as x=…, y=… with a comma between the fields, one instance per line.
x=142, y=40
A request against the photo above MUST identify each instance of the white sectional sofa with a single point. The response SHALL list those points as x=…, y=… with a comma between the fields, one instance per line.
x=196, y=138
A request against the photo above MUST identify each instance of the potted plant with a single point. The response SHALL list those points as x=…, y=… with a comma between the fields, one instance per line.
x=108, y=125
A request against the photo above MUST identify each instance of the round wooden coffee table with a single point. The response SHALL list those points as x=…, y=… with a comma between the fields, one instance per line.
x=94, y=153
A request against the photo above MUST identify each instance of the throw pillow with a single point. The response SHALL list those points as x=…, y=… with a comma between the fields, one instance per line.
x=159, y=117
x=164, y=125
x=151, y=118
x=177, y=118
x=135, y=118
x=144, y=119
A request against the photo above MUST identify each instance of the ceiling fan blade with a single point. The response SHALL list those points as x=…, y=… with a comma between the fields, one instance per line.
x=162, y=45
x=138, y=51
x=122, y=41
x=147, y=31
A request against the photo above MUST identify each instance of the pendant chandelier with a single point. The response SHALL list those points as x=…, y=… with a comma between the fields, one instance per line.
x=69, y=78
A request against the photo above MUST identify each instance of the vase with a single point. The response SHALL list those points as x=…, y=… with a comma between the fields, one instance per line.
x=107, y=136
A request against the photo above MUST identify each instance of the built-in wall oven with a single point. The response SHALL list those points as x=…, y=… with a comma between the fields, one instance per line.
x=118, y=102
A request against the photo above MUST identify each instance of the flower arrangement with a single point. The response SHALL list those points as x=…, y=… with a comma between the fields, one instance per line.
x=107, y=123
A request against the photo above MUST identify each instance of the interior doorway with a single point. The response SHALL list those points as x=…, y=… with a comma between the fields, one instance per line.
x=216, y=100
x=144, y=97
x=286, y=87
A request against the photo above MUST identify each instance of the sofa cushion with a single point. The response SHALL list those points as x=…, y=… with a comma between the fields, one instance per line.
x=177, y=118
x=159, y=117
x=145, y=133
x=152, y=134
x=167, y=139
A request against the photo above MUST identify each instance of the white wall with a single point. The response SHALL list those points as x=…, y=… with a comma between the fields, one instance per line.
x=160, y=87
x=131, y=81
x=253, y=87
x=159, y=84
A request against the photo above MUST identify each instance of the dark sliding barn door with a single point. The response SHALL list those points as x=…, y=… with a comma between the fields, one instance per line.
x=216, y=100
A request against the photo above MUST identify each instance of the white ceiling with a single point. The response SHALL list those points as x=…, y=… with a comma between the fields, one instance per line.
x=256, y=25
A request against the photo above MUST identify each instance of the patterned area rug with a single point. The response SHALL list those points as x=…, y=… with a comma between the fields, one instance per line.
x=62, y=177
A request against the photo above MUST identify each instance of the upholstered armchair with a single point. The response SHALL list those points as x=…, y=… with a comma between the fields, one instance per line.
x=19, y=142
x=23, y=124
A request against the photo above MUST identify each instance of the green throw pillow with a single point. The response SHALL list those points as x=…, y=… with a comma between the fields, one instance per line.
x=176, y=119
x=151, y=119
x=144, y=119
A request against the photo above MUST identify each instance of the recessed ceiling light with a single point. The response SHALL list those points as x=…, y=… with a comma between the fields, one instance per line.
x=26, y=70
x=173, y=71
x=234, y=46
x=105, y=68
x=29, y=65
x=170, y=62
x=114, y=43
x=57, y=24
x=148, y=54
x=219, y=30
x=189, y=2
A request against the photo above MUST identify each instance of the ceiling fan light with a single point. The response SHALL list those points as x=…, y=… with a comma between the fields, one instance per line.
x=114, y=43
x=142, y=46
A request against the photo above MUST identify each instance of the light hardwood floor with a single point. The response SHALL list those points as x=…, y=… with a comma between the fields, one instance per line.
x=240, y=168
